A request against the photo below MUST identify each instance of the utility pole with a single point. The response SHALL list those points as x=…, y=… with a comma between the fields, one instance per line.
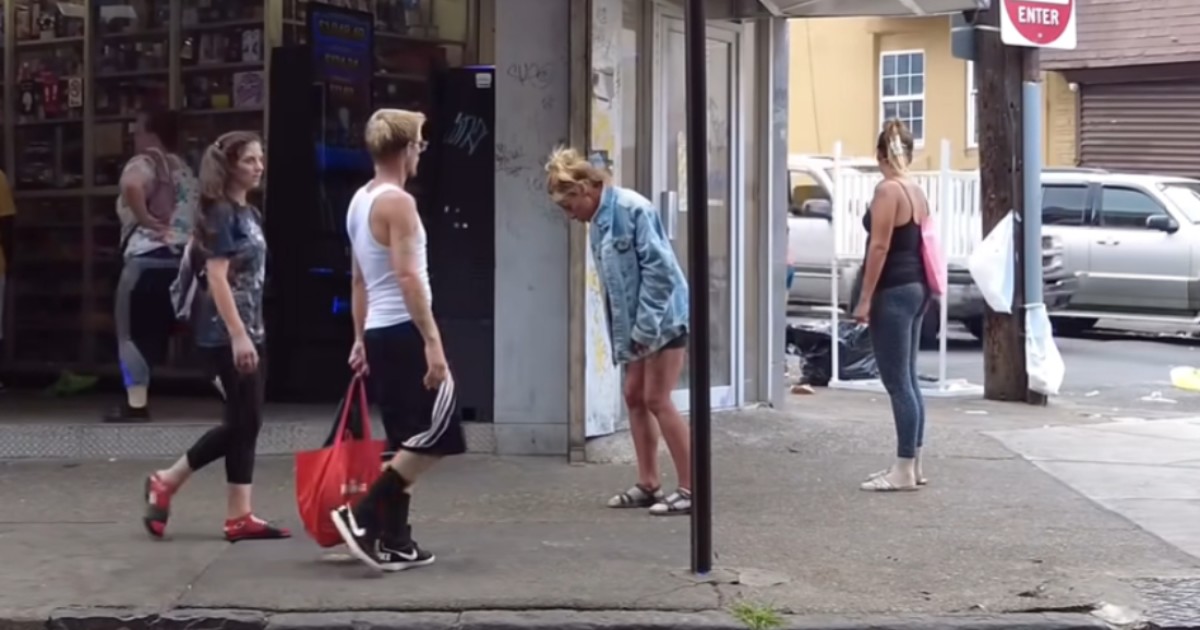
x=998, y=74
x=1008, y=106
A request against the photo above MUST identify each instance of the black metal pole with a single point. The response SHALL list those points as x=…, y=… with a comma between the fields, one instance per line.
x=697, y=201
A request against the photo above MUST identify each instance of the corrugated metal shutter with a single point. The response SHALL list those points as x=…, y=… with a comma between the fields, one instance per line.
x=1141, y=127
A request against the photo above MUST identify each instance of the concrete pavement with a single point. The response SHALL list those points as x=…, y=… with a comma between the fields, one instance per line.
x=523, y=542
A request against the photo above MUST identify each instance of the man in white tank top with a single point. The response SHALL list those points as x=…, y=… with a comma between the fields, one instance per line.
x=397, y=343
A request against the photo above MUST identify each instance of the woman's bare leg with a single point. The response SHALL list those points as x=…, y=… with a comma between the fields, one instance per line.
x=661, y=375
x=642, y=426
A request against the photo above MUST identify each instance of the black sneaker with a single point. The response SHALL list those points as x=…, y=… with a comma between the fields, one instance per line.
x=127, y=414
x=359, y=541
x=392, y=557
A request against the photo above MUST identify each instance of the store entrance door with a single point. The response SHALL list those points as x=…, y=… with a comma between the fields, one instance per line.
x=724, y=204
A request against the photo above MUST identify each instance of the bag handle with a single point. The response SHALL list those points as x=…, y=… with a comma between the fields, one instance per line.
x=359, y=386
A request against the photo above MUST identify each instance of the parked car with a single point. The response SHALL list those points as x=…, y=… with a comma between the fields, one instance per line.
x=811, y=243
x=1133, y=242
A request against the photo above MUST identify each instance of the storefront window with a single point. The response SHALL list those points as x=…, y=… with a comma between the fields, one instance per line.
x=413, y=38
x=69, y=136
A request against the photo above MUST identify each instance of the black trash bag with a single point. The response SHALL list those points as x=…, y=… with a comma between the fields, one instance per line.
x=811, y=340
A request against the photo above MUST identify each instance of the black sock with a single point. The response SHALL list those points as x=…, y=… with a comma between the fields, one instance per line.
x=381, y=494
x=393, y=520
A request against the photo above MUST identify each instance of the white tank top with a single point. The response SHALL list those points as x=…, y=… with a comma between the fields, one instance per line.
x=385, y=300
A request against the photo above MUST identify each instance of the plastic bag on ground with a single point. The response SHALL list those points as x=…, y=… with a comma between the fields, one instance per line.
x=992, y=266
x=813, y=342
x=1186, y=378
x=1043, y=362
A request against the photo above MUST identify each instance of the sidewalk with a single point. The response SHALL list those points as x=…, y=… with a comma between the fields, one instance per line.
x=522, y=542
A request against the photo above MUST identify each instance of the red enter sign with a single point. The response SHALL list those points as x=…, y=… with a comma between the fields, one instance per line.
x=1041, y=22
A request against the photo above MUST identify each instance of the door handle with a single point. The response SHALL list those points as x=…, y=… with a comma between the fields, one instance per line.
x=1108, y=242
x=668, y=208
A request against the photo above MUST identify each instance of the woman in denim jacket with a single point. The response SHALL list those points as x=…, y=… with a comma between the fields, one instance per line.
x=646, y=296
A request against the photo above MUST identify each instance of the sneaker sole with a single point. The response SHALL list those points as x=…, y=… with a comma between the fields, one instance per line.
x=351, y=542
x=396, y=567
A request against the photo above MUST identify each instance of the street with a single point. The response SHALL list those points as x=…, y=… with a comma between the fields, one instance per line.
x=1120, y=368
x=1117, y=369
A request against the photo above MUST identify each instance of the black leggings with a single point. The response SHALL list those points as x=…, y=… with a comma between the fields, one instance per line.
x=237, y=438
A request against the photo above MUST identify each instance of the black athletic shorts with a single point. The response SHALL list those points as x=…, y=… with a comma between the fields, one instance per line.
x=415, y=418
x=679, y=342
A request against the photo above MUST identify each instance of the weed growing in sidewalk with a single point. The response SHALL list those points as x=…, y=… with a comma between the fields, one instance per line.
x=756, y=616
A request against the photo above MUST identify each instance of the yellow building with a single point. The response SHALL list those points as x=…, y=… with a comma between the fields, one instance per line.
x=848, y=74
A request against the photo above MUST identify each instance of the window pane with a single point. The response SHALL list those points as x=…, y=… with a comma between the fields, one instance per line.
x=918, y=63
x=904, y=86
x=905, y=110
x=1063, y=205
x=903, y=62
x=918, y=85
x=918, y=108
x=1126, y=208
x=1186, y=196
x=889, y=87
x=889, y=111
x=889, y=65
x=918, y=129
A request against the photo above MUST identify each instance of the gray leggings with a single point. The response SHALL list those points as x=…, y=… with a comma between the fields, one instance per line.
x=144, y=317
x=896, y=316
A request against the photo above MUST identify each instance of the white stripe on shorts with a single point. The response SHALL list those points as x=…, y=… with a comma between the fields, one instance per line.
x=443, y=409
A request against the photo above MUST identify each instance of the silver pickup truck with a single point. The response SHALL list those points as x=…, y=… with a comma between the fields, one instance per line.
x=811, y=243
x=1132, y=240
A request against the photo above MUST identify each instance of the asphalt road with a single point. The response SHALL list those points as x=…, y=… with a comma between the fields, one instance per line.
x=1118, y=367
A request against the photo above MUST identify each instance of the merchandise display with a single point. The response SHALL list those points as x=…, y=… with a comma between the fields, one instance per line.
x=79, y=71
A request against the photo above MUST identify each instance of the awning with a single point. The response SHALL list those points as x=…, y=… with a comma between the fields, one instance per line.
x=759, y=9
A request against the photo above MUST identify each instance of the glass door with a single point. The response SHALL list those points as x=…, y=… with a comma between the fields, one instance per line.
x=670, y=184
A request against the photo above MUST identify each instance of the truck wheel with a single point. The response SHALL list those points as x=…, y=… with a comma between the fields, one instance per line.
x=974, y=326
x=1068, y=326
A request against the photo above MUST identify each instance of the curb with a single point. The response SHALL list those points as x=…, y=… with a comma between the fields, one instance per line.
x=207, y=619
x=97, y=441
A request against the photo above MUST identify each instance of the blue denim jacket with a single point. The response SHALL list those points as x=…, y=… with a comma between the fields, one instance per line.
x=646, y=291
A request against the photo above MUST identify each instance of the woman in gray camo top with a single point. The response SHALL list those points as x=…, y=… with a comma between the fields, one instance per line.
x=228, y=324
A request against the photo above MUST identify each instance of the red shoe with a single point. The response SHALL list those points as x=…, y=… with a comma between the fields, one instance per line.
x=158, y=505
x=250, y=527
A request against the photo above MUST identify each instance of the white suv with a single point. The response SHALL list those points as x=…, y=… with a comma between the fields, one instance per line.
x=1133, y=242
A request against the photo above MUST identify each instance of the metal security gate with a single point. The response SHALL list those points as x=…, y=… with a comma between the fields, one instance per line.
x=1148, y=127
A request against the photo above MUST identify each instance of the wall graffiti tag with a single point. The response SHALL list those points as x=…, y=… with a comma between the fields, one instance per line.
x=466, y=133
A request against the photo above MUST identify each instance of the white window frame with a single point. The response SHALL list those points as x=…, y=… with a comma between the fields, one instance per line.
x=907, y=98
x=972, y=108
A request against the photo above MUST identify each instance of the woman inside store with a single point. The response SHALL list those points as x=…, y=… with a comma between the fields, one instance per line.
x=227, y=317
x=646, y=295
x=893, y=300
x=156, y=205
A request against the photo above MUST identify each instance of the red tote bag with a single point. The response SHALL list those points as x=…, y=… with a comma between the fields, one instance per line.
x=330, y=477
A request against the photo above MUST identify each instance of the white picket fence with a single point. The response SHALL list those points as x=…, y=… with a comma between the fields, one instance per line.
x=953, y=200
x=955, y=205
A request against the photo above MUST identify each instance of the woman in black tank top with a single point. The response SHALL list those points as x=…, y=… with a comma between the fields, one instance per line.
x=893, y=302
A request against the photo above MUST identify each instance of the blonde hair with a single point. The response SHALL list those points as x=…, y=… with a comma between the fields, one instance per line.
x=390, y=131
x=895, y=145
x=567, y=170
